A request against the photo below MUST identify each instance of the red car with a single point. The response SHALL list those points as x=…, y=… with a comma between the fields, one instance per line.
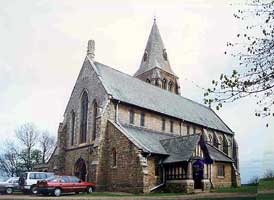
x=56, y=185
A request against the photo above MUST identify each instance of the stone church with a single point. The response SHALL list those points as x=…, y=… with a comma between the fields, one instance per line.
x=138, y=134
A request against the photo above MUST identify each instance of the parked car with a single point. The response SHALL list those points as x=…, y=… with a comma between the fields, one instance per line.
x=31, y=178
x=9, y=185
x=64, y=184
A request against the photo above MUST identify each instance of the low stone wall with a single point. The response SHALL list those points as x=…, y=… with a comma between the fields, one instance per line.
x=180, y=186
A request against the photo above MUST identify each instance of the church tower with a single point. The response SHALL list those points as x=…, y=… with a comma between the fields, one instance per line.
x=155, y=67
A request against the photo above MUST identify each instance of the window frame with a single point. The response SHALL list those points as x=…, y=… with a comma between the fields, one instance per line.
x=163, y=124
x=114, y=158
x=95, y=112
x=221, y=171
x=131, y=116
x=142, y=119
x=171, y=126
x=72, y=128
x=188, y=129
x=84, y=117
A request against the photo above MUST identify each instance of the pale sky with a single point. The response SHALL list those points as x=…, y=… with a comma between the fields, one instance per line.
x=43, y=45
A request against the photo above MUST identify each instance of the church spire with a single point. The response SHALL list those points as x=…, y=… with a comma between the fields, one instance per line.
x=155, y=54
x=155, y=67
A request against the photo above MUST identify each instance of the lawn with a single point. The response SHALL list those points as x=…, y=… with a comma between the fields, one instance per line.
x=242, y=189
x=266, y=184
x=112, y=194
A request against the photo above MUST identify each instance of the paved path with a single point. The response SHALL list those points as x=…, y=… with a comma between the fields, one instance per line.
x=183, y=197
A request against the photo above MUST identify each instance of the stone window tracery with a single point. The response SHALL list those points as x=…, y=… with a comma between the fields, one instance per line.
x=114, y=158
x=84, y=117
x=95, y=112
x=72, y=128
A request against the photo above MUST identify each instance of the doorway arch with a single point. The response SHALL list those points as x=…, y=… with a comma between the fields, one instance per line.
x=80, y=169
x=198, y=173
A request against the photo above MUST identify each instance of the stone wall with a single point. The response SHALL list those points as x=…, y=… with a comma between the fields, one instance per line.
x=162, y=75
x=225, y=181
x=153, y=121
x=128, y=174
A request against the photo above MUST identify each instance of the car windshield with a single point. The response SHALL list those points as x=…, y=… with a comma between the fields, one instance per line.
x=52, y=179
x=4, y=179
x=74, y=179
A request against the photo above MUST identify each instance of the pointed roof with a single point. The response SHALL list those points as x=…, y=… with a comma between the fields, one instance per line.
x=155, y=53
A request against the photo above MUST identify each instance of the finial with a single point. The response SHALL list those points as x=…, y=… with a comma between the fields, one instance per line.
x=154, y=16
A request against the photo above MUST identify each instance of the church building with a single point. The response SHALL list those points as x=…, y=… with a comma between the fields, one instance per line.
x=138, y=134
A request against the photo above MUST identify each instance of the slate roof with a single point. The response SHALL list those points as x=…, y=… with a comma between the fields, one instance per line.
x=147, y=140
x=217, y=155
x=180, y=148
x=133, y=91
x=174, y=148
x=154, y=49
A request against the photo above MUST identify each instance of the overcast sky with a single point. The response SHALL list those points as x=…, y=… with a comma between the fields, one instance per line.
x=43, y=45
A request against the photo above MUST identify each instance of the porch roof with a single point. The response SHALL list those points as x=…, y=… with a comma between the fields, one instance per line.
x=216, y=155
x=173, y=148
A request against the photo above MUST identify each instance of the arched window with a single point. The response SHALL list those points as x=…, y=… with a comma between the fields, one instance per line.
x=142, y=119
x=94, y=120
x=148, y=81
x=145, y=56
x=177, y=89
x=225, y=146
x=215, y=141
x=221, y=147
x=165, y=54
x=72, y=128
x=210, y=139
x=114, y=158
x=170, y=86
x=157, y=83
x=164, y=84
x=84, y=117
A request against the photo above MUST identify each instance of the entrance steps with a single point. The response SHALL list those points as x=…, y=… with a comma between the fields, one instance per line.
x=198, y=191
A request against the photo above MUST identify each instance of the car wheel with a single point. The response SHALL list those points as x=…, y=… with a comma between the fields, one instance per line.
x=57, y=192
x=90, y=190
x=33, y=189
x=9, y=190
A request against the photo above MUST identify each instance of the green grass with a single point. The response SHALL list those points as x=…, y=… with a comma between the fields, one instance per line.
x=265, y=197
x=110, y=194
x=232, y=198
x=266, y=184
x=242, y=189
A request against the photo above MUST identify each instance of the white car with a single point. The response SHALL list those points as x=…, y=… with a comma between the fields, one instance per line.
x=9, y=185
x=31, y=178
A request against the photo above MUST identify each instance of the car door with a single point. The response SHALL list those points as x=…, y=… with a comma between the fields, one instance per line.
x=65, y=184
x=76, y=184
